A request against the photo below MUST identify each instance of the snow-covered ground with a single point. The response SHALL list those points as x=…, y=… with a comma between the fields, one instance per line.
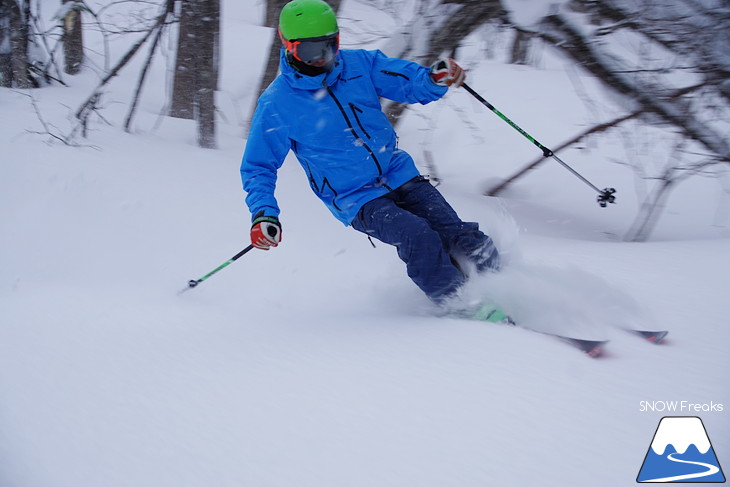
x=319, y=363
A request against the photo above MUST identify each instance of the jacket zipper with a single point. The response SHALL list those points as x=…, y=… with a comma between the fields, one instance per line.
x=354, y=133
x=356, y=109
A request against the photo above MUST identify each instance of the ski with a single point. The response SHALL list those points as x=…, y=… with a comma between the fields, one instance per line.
x=492, y=314
x=655, y=337
x=592, y=348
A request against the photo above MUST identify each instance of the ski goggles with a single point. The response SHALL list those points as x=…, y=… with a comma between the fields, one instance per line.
x=313, y=49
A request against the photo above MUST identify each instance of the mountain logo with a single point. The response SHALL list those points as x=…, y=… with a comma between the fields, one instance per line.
x=681, y=452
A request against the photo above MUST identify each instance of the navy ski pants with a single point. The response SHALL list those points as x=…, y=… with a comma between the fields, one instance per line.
x=428, y=235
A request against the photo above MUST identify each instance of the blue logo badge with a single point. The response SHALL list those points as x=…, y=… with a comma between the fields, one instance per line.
x=681, y=452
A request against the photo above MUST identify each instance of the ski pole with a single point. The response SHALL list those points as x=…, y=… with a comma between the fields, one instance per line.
x=194, y=282
x=605, y=195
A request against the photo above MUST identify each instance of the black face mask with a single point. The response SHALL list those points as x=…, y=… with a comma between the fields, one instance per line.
x=307, y=69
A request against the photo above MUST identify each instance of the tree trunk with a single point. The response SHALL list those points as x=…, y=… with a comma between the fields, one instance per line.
x=21, y=59
x=196, y=67
x=14, y=44
x=6, y=73
x=273, y=7
x=521, y=47
x=183, y=85
x=72, y=38
x=650, y=211
x=206, y=35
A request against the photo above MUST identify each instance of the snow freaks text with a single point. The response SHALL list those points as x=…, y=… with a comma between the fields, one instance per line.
x=680, y=407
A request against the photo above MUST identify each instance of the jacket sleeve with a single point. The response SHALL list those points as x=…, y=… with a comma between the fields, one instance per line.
x=403, y=81
x=267, y=146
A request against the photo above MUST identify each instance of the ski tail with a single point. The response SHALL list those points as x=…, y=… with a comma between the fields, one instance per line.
x=592, y=348
x=655, y=337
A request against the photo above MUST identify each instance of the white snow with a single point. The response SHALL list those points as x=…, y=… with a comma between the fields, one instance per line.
x=319, y=363
x=680, y=432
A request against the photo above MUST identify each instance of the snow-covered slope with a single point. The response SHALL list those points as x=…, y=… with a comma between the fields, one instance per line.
x=319, y=363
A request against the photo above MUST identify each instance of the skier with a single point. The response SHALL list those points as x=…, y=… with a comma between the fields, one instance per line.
x=324, y=106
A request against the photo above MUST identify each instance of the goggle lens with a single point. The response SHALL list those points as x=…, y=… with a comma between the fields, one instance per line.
x=313, y=50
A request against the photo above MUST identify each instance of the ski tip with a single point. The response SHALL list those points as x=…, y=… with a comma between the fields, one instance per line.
x=655, y=337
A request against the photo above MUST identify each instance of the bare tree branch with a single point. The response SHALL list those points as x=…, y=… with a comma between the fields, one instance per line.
x=85, y=109
x=142, y=76
x=559, y=32
x=591, y=131
x=451, y=32
x=602, y=127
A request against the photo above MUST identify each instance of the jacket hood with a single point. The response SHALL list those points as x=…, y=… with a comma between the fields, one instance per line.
x=295, y=79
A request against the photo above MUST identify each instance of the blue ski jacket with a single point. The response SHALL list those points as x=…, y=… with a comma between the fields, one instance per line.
x=336, y=128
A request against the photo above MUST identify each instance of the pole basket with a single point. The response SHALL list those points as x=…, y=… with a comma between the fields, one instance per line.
x=606, y=196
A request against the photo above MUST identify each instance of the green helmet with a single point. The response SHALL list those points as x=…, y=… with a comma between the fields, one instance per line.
x=302, y=19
